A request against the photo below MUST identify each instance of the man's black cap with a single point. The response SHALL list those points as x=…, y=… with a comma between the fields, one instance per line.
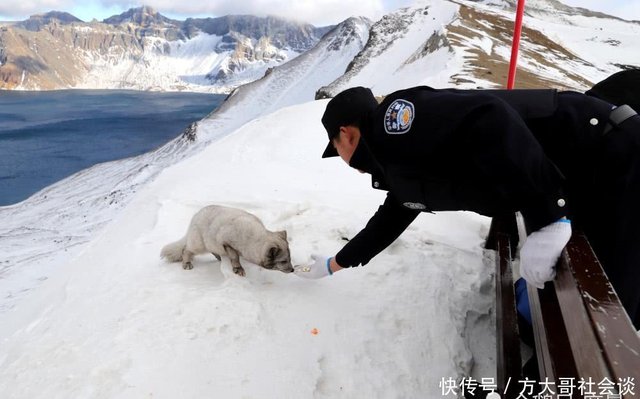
x=347, y=108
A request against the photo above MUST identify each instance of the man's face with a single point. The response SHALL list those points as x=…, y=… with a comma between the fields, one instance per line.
x=346, y=142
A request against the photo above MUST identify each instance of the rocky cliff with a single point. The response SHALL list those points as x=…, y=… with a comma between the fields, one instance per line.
x=142, y=49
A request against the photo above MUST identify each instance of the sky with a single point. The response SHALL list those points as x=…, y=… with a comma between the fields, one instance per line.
x=317, y=12
x=627, y=9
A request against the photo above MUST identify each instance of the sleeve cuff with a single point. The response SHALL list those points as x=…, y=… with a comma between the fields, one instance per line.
x=544, y=212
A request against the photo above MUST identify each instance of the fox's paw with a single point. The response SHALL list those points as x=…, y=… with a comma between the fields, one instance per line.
x=187, y=266
x=239, y=271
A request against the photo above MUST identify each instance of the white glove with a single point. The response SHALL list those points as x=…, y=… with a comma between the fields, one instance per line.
x=541, y=251
x=318, y=269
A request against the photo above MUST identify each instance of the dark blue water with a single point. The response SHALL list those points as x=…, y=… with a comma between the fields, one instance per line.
x=46, y=136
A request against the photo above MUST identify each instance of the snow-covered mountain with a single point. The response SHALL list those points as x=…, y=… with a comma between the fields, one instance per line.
x=74, y=209
x=468, y=44
x=141, y=49
x=87, y=308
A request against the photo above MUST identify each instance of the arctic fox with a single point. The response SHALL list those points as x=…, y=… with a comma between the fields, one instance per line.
x=232, y=232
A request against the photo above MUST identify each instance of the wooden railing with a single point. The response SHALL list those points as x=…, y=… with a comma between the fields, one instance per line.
x=585, y=342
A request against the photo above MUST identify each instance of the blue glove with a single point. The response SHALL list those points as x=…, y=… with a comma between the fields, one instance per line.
x=318, y=269
x=541, y=251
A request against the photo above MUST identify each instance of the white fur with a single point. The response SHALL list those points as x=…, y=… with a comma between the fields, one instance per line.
x=228, y=232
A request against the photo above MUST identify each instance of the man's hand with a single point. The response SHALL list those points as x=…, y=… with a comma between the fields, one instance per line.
x=541, y=251
x=321, y=267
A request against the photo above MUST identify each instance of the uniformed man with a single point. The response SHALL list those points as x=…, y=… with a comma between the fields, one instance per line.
x=557, y=157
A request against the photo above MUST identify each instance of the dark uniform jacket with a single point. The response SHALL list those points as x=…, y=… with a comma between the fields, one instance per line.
x=486, y=151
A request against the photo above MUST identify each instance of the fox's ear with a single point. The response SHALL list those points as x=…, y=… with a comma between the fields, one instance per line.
x=282, y=234
x=273, y=252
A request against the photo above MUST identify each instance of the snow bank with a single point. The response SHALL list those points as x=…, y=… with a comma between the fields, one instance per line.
x=119, y=322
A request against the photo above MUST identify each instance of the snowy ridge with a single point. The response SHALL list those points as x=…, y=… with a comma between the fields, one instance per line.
x=297, y=81
x=121, y=323
x=562, y=47
x=389, y=61
x=467, y=44
x=62, y=217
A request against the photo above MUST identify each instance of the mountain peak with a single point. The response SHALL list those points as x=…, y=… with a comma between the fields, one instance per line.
x=36, y=22
x=59, y=15
x=144, y=15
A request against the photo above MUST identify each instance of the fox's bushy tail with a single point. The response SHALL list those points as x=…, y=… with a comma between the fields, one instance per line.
x=173, y=252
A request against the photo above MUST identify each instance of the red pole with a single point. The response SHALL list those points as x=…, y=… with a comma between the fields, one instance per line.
x=516, y=44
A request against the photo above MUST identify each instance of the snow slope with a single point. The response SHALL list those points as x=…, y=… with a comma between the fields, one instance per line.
x=46, y=230
x=118, y=322
x=566, y=44
x=90, y=311
x=298, y=80
x=394, y=59
x=605, y=43
x=467, y=44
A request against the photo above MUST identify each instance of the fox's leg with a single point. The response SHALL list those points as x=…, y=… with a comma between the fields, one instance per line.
x=235, y=260
x=187, y=257
x=216, y=255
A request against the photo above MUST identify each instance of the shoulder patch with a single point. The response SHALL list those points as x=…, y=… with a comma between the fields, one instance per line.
x=415, y=206
x=399, y=116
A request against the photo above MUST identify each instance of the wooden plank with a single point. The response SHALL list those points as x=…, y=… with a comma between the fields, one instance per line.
x=580, y=328
x=503, y=224
x=609, y=322
x=584, y=345
x=555, y=359
x=507, y=336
